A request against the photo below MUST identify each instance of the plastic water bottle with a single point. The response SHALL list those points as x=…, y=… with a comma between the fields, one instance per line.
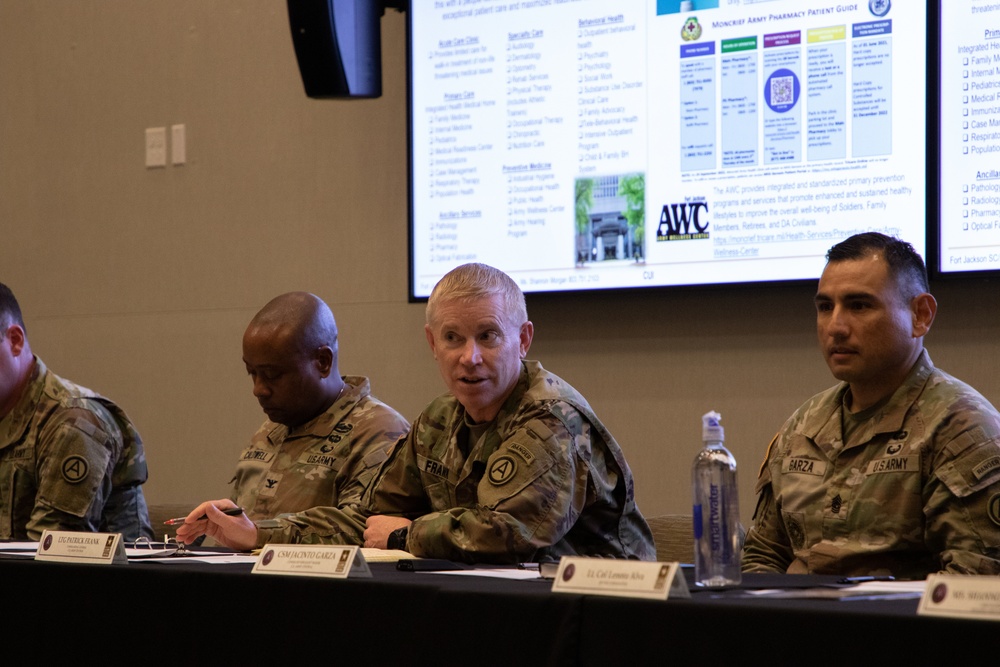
x=717, y=535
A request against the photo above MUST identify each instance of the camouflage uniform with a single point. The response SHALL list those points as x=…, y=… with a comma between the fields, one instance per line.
x=914, y=490
x=545, y=479
x=69, y=460
x=328, y=461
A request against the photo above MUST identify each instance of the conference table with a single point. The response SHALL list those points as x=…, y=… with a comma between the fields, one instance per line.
x=196, y=613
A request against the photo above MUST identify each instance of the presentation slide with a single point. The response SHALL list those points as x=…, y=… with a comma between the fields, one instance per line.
x=599, y=144
x=970, y=136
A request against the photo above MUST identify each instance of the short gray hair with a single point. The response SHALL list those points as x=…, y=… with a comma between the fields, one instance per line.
x=469, y=282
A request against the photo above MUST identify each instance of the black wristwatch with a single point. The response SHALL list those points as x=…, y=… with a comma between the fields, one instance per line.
x=397, y=538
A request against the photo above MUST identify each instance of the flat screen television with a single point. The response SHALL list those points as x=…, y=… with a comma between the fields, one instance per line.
x=968, y=230
x=607, y=144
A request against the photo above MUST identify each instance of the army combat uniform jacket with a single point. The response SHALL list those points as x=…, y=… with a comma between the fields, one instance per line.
x=914, y=490
x=69, y=460
x=545, y=479
x=327, y=461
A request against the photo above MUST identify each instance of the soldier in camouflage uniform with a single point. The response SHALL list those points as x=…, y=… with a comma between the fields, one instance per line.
x=895, y=471
x=69, y=458
x=543, y=479
x=330, y=460
x=326, y=436
x=511, y=464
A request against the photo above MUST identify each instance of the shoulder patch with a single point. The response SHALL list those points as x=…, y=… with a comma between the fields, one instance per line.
x=767, y=456
x=521, y=451
x=986, y=466
x=75, y=469
x=976, y=468
x=502, y=470
x=993, y=508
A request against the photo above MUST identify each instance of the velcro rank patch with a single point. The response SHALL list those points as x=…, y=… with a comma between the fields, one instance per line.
x=270, y=485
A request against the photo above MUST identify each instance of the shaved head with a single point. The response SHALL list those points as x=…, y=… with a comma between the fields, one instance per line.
x=300, y=318
x=290, y=352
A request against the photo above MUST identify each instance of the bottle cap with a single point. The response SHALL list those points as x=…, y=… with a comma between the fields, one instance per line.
x=711, y=430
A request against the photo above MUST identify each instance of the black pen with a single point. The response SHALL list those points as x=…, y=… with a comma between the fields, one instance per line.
x=229, y=511
x=859, y=580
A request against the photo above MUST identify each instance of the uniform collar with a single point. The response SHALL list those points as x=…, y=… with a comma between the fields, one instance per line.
x=513, y=401
x=890, y=418
x=355, y=388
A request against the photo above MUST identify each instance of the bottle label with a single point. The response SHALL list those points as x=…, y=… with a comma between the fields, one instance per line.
x=714, y=518
x=696, y=516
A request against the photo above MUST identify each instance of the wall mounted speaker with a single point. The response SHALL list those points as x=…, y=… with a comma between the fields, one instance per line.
x=338, y=46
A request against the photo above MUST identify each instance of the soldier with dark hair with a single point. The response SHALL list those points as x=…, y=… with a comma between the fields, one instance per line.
x=896, y=470
x=70, y=459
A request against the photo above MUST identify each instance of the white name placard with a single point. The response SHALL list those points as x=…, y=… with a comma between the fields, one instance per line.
x=73, y=547
x=621, y=578
x=333, y=561
x=961, y=596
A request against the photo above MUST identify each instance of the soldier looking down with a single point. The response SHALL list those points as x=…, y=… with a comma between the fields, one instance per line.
x=325, y=436
x=70, y=459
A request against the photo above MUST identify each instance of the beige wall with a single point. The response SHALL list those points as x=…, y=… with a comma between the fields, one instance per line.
x=138, y=282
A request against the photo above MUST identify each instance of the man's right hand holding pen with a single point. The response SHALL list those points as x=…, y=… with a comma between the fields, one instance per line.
x=235, y=532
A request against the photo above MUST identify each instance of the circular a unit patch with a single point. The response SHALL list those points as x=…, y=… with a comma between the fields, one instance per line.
x=993, y=508
x=75, y=469
x=502, y=470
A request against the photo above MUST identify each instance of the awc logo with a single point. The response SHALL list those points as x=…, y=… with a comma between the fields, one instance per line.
x=683, y=222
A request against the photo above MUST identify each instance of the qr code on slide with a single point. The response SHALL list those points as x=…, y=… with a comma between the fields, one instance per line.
x=781, y=90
